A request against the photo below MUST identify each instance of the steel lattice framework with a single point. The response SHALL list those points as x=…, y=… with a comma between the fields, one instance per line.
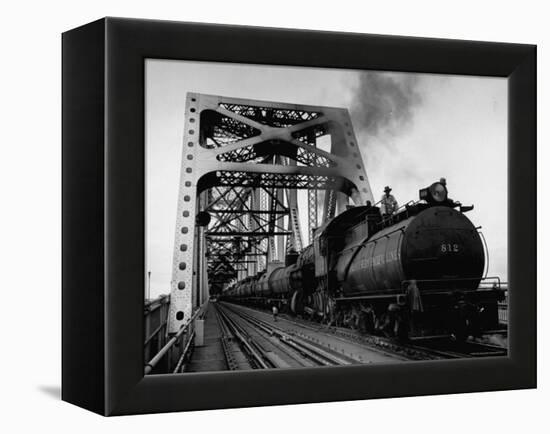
x=243, y=162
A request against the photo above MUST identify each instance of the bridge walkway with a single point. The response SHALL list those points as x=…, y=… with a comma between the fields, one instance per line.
x=211, y=356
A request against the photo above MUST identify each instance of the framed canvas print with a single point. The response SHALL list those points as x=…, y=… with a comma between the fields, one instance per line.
x=261, y=216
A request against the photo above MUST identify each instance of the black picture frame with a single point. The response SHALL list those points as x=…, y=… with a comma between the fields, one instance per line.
x=103, y=215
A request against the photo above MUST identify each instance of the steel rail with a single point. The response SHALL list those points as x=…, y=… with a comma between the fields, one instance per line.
x=225, y=337
x=246, y=341
x=478, y=349
x=401, y=350
x=308, y=350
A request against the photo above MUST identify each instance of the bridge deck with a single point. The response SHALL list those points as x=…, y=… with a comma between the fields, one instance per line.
x=211, y=356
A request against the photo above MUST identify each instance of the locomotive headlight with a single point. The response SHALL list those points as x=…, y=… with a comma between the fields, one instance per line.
x=438, y=192
x=435, y=193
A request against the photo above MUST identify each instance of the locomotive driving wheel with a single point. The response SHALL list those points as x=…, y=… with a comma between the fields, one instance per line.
x=367, y=320
x=330, y=310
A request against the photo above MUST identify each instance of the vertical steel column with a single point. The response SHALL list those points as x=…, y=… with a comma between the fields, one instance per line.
x=264, y=242
x=312, y=198
x=294, y=241
x=253, y=242
x=183, y=283
x=279, y=218
x=312, y=213
x=330, y=205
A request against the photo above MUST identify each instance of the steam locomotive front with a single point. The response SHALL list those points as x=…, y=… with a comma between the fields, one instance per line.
x=442, y=245
x=438, y=246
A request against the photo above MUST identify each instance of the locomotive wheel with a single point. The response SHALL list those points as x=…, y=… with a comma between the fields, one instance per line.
x=461, y=329
x=296, y=303
x=366, y=322
x=384, y=325
x=330, y=311
x=402, y=330
x=466, y=321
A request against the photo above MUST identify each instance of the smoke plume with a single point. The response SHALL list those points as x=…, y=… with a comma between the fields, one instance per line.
x=384, y=103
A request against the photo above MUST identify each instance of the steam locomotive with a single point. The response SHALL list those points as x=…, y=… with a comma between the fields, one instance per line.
x=417, y=272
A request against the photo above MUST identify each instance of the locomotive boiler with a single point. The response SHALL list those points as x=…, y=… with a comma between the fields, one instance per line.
x=419, y=271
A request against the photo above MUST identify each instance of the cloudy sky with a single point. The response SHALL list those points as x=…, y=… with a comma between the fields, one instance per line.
x=412, y=129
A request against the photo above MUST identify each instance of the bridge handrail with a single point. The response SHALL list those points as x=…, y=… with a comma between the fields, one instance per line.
x=149, y=366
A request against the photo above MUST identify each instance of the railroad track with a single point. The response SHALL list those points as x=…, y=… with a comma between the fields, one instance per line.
x=232, y=330
x=431, y=348
x=227, y=337
x=449, y=349
x=235, y=324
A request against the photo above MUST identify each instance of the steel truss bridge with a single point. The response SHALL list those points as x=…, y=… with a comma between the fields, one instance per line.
x=242, y=165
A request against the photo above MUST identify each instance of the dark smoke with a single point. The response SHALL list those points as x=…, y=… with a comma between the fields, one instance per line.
x=384, y=103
